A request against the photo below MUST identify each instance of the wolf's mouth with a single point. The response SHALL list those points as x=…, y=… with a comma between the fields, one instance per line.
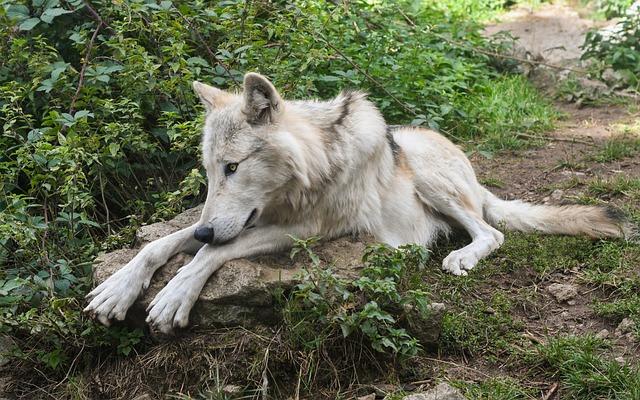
x=252, y=216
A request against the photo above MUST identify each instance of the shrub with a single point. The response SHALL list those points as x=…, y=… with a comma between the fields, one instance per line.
x=617, y=48
x=324, y=306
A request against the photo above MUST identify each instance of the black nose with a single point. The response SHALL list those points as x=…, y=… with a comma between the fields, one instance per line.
x=203, y=234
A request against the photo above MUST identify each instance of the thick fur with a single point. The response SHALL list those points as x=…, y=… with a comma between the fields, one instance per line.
x=311, y=168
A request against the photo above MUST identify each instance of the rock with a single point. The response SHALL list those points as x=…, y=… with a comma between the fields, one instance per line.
x=626, y=326
x=603, y=334
x=7, y=344
x=557, y=194
x=563, y=291
x=441, y=392
x=241, y=292
x=370, y=396
x=425, y=327
x=384, y=389
x=620, y=360
x=232, y=390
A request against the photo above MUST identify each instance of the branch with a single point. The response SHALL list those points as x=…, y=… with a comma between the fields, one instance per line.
x=213, y=57
x=85, y=60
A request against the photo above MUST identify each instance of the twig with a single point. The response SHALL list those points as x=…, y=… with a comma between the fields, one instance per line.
x=85, y=62
x=104, y=202
x=488, y=52
x=95, y=15
x=212, y=55
x=551, y=391
x=369, y=77
x=556, y=139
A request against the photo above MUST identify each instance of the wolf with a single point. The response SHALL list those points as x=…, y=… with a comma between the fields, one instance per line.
x=278, y=169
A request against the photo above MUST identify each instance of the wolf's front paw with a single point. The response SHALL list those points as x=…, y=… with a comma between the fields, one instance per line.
x=113, y=297
x=459, y=262
x=171, y=306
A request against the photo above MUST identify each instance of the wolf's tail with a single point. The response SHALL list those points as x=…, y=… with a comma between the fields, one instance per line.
x=594, y=221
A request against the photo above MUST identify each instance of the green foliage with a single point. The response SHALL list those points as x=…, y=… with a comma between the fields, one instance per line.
x=508, y=107
x=618, y=49
x=584, y=372
x=326, y=306
x=480, y=327
x=100, y=129
x=618, y=148
x=613, y=8
x=503, y=388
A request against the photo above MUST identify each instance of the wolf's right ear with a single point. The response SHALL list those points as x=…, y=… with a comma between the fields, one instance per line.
x=262, y=102
x=211, y=97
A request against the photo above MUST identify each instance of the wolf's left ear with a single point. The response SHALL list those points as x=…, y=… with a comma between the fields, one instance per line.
x=262, y=103
x=210, y=96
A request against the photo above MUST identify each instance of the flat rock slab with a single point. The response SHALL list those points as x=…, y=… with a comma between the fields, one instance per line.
x=443, y=391
x=239, y=293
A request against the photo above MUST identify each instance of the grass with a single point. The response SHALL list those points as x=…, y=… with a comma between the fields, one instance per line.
x=511, y=104
x=619, y=186
x=500, y=388
x=584, y=371
x=492, y=182
x=619, y=147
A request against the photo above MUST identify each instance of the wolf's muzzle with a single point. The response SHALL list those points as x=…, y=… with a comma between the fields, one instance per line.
x=203, y=234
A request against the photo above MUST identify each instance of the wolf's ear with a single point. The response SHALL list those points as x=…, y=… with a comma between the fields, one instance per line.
x=211, y=97
x=262, y=103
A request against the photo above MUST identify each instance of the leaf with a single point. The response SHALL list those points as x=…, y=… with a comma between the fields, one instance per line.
x=18, y=12
x=29, y=24
x=49, y=14
x=82, y=114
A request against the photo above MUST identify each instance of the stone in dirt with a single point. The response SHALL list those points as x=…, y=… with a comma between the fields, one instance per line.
x=443, y=391
x=563, y=291
x=7, y=344
x=626, y=325
x=242, y=291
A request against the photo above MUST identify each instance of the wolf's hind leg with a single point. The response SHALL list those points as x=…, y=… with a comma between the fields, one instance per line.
x=113, y=297
x=484, y=238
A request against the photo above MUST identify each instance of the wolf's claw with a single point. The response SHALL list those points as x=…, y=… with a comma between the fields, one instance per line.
x=171, y=306
x=112, y=298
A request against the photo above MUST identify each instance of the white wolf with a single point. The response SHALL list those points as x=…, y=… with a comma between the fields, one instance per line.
x=310, y=168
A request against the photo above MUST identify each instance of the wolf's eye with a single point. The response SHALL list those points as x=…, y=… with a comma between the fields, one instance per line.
x=230, y=168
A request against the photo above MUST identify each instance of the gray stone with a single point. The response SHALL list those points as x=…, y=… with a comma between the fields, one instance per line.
x=425, y=327
x=6, y=346
x=625, y=326
x=239, y=293
x=242, y=291
x=563, y=291
x=443, y=391
x=603, y=334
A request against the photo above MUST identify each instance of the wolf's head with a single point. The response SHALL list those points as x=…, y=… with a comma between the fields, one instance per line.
x=247, y=155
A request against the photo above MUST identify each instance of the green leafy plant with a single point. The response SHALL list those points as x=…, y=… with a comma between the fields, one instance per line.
x=324, y=305
x=618, y=49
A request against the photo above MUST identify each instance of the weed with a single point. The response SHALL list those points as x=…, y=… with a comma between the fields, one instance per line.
x=509, y=105
x=618, y=148
x=583, y=371
x=324, y=304
x=618, y=186
x=503, y=388
x=492, y=182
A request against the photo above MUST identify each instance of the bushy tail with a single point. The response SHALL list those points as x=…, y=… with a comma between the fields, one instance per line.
x=594, y=221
